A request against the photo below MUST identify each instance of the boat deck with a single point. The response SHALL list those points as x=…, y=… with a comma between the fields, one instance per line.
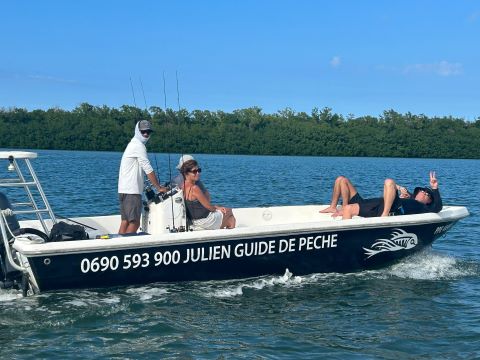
x=252, y=222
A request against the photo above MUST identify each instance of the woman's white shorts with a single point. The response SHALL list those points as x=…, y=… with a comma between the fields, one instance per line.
x=212, y=222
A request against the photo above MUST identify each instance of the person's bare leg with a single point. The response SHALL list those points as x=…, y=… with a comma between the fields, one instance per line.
x=123, y=227
x=337, y=213
x=335, y=196
x=350, y=211
x=389, y=192
x=348, y=190
x=232, y=222
x=132, y=227
x=228, y=220
x=342, y=187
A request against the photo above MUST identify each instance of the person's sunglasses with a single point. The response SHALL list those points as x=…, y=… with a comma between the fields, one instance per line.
x=196, y=171
x=425, y=193
x=148, y=132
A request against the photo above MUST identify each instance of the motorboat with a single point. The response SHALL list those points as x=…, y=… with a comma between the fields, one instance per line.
x=266, y=240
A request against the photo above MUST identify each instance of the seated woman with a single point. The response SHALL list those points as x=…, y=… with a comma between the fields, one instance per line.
x=203, y=214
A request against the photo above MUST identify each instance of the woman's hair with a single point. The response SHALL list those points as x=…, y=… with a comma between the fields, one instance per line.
x=188, y=166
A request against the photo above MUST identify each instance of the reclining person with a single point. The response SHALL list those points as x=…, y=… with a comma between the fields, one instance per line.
x=422, y=200
x=203, y=214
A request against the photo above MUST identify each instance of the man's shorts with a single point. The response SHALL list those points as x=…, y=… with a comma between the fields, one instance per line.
x=371, y=207
x=130, y=207
x=374, y=207
x=355, y=199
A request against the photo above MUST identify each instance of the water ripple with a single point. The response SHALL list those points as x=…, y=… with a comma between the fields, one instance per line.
x=423, y=307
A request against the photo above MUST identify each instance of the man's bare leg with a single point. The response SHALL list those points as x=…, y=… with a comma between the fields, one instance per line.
x=342, y=187
x=350, y=211
x=337, y=213
x=335, y=196
x=127, y=227
x=123, y=227
x=389, y=192
x=133, y=227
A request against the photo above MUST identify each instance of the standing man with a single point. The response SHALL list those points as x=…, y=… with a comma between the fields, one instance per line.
x=130, y=178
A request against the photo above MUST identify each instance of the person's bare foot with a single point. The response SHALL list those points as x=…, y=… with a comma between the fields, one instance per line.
x=329, y=209
x=337, y=213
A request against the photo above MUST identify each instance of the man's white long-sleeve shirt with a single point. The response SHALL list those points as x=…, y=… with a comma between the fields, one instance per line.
x=134, y=163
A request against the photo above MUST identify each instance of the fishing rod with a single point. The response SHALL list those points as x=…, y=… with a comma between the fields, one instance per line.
x=146, y=109
x=181, y=155
x=76, y=222
x=165, y=109
x=164, y=92
x=156, y=165
x=143, y=92
x=133, y=92
x=178, y=92
x=171, y=197
x=178, y=104
x=169, y=156
x=174, y=229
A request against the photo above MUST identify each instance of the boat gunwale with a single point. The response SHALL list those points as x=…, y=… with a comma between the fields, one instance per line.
x=450, y=213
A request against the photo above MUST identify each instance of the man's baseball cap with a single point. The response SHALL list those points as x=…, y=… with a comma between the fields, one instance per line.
x=145, y=125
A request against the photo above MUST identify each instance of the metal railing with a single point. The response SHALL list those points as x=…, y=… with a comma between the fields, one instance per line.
x=27, y=186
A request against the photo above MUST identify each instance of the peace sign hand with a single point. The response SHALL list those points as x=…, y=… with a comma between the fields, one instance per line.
x=433, y=180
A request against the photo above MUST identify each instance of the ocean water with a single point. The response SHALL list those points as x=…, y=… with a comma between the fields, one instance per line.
x=424, y=307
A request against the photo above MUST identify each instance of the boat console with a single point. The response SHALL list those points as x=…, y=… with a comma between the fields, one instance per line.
x=164, y=213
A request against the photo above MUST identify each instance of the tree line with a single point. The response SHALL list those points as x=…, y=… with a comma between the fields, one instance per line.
x=244, y=131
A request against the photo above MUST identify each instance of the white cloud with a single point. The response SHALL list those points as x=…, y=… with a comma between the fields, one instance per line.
x=335, y=62
x=442, y=68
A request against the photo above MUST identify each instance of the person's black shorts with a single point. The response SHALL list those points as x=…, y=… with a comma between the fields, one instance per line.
x=374, y=207
x=371, y=207
x=356, y=199
x=367, y=207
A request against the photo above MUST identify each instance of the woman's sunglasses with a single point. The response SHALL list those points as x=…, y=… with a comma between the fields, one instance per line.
x=196, y=171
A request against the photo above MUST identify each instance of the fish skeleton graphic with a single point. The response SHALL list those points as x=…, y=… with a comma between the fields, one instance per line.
x=400, y=240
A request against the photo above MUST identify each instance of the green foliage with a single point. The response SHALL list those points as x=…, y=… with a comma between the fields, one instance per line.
x=244, y=131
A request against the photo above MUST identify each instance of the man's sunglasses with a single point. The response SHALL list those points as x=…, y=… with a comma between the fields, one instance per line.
x=148, y=132
x=196, y=171
x=425, y=193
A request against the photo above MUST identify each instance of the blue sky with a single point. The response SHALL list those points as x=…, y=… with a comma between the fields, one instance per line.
x=356, y=57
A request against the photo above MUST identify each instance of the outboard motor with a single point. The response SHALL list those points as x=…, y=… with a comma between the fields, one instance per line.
x=165, y=213
x=7, y=273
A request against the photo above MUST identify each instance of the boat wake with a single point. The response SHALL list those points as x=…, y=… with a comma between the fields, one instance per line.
x=237, y=289
x=430, y=265
x=146, y=293
x=10, y=295
x=427, y=265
